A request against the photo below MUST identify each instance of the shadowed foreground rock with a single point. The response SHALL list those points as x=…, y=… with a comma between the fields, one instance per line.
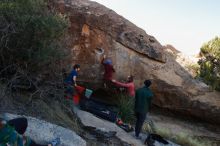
x=89, y=120
x=43, y=132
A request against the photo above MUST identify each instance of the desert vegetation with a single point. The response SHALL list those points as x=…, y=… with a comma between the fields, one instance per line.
x=30, y=46
x=209, y=70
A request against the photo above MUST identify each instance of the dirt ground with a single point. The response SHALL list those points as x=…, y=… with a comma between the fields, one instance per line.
x=201, y=131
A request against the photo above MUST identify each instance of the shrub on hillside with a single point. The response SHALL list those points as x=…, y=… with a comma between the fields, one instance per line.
x=30, y=36
x=210, y=63
x=29, y=32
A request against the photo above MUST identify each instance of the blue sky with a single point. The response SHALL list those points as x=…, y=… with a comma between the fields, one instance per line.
x=185, y=24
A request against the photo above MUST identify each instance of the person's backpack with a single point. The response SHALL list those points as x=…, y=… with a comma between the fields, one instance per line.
x=124, y=126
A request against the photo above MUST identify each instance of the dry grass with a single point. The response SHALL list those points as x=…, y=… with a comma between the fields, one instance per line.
x=179, y=138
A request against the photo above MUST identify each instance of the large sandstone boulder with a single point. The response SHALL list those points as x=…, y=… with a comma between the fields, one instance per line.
x=95, y=29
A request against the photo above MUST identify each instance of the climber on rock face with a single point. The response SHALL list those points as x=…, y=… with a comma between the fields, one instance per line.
x=109, y=70
x=12, y=134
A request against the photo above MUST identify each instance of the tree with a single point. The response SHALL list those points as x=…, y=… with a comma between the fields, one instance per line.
x=30, y=36
x=210, y=63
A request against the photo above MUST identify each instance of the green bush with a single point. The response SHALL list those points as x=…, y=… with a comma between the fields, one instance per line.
x=31, y=48
x=126, y=108
x=210, y=63
x=29, y=34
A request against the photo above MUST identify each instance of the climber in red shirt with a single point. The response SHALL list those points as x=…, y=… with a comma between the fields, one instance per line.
x=109, y=70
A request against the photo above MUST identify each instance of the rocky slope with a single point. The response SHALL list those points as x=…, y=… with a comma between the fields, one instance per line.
x=96, y=30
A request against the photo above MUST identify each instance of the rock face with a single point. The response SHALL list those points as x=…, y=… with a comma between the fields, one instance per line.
x=96, y=30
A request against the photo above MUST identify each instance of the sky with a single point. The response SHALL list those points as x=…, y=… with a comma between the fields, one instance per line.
x=185, y=24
